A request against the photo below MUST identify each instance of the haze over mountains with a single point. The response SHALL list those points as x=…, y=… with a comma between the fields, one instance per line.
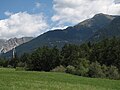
x=99, y=26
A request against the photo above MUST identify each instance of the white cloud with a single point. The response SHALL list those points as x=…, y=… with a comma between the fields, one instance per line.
x=23, y=24
x=7, y=13
x=37, y=5
x=74, y=11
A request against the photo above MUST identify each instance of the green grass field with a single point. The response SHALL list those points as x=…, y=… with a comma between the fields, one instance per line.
x=24, y=80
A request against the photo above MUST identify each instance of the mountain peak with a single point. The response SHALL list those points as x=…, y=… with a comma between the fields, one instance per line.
x=98, y=21
x=101, y=16
x=9, y=44
x=113, y=29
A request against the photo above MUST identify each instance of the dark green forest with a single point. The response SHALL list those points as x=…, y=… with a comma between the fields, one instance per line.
x=96, y=60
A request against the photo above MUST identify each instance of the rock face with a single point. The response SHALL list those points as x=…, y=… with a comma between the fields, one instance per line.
x=2, y=41
x=7, y=45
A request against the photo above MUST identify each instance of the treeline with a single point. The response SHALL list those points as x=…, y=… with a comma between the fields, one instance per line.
x=99, y=60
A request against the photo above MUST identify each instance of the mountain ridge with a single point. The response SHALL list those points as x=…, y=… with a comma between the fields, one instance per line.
x=77, y=34
x=113, y=29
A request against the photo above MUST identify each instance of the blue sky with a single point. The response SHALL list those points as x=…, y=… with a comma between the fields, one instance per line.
x=20, y=18
x=25, y=5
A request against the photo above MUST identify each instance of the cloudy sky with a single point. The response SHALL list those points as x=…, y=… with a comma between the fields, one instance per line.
x=20, y=18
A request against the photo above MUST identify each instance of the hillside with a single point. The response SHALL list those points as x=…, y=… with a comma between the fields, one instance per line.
x=75, y=35
x=113, y=29
x=23, y=80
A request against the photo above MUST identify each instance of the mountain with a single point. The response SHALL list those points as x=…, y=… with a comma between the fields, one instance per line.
x=75, y=35
x=98, y=21
x=113, y=29
x=7, y=45
x=2, y=41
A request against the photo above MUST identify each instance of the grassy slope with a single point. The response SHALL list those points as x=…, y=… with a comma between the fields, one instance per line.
x=23, y=80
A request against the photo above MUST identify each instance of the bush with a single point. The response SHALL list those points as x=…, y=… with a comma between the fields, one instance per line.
x=20, y=69
x=21, y=64
x=113, y=73
x=82, y=71
x=3, y=62
x=105, y=70
x=83, y=67
x=95, y=70
x=59, y=69
x=70, y=69
x=10, y=66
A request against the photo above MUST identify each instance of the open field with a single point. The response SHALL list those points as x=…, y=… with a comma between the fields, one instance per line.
x=24, y=80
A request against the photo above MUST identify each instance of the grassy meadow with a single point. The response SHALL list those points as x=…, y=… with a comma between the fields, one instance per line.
x=11, y=79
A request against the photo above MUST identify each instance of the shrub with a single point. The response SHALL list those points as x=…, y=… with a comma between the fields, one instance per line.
x=95, y=70
x=21, y=64
x=82, y=71
x=70, y=69
x=10, y=66
x=20, y=69
x=113, y=73
x=105, y=70
x=3, y=62
x=83, y=67
x=59, y=69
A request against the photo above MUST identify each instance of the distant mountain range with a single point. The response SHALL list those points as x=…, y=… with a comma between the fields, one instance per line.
x=7, y=45
x=94, y=29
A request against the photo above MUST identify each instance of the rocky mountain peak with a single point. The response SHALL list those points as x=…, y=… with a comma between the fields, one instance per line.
x=13, y=42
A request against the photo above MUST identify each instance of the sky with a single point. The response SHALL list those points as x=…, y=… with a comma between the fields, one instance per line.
x=20, y=18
